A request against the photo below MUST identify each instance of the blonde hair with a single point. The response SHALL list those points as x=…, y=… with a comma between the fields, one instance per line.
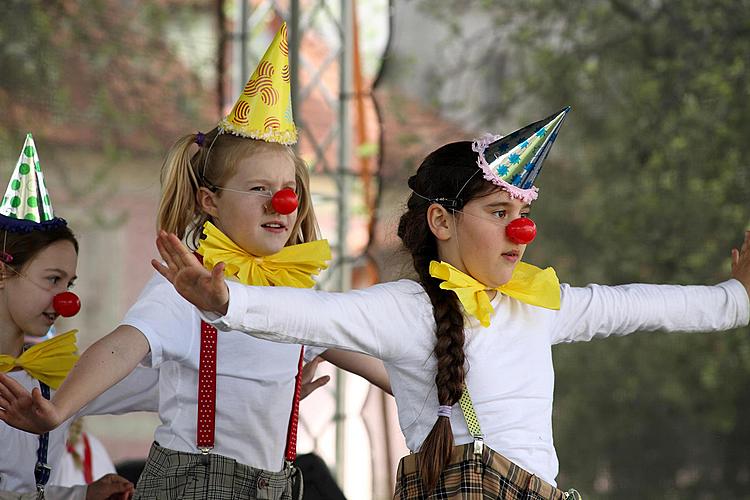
x=212, y=165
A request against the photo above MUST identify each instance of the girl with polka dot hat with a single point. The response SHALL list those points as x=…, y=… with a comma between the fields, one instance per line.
x=468, y=344
x=38, y=261
x=238, y=194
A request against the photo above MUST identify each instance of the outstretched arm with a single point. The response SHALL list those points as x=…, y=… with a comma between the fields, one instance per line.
x=600, y=311
x=367, y=367
x=103, y=364
x=741, y=263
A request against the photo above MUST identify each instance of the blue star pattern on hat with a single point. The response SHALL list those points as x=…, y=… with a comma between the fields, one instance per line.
x=514, y=161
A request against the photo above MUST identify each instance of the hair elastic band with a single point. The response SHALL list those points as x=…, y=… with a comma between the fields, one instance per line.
x=199, y=138
x=444, y=411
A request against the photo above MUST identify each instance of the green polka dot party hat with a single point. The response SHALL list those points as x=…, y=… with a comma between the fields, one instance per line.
x=26, y=205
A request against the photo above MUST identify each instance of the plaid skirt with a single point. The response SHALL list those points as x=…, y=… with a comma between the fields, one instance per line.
x=175, y=475
x=467, y=476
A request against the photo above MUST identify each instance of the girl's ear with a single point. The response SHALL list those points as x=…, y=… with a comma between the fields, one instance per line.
x=206, y=200
x=439, y=220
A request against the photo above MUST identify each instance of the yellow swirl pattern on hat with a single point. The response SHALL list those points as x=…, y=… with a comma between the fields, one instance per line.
x=263, y=110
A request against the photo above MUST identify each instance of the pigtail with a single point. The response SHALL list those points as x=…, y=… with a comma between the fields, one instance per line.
x=449, y=351
x=178, y=207
x=449, y=347
x=449, y=173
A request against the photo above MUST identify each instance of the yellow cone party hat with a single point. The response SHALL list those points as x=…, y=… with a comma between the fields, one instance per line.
x=264, y=109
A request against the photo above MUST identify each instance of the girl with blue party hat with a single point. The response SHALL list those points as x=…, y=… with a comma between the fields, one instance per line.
x=468, y=344
x=238, y=194
x=38, y=260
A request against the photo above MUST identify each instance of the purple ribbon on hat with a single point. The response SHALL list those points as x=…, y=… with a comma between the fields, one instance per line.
x=444, y=411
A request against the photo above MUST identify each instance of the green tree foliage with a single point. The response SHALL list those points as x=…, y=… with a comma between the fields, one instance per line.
x=98, y=73
x=649, y=182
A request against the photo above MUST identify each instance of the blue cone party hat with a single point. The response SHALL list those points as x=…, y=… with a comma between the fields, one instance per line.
x=26, y=205
x=513, y=162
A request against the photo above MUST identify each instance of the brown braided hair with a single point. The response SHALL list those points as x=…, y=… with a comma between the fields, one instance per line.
x=441, y=178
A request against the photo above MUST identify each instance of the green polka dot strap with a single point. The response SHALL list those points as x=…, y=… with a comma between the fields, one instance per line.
x=472, y=422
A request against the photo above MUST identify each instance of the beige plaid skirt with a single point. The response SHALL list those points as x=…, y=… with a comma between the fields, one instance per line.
x=174, y=475
x=489, y=476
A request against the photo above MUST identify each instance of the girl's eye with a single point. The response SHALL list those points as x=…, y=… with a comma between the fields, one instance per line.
x=525, y=215
x=53, y=279
x=71, y=284
x=499, y=213
x=258, y=188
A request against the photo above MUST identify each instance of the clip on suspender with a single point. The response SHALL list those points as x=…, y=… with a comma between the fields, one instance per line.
x=472, y=422
x=206, y=425
x=42, y=469
x=290, y=453
x=206, y=390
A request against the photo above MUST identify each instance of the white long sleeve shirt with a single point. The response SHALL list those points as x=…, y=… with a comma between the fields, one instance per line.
x=136, y=392
x=509, y=364
x=255, y=380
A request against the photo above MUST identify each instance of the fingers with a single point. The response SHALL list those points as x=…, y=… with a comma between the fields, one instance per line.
x=165, y=250
x=320, y=382
x=39, y=402
x=110, y=486
x=5, y=392
x=735, y=258
x=308, y=371
x=217, y=275
x=310, y=387
x=163, y=270
x=178, y=251
x=10, y=388
x=746, y=244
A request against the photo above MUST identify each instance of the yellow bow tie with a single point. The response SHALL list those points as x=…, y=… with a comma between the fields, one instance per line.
x=48, y=361
x=292, y=266
x=529, y=284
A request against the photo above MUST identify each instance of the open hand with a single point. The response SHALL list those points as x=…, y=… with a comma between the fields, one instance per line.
x=205, y=289
x=741, y=263
x=28, y=411
x=308, y=372
x=110, y=487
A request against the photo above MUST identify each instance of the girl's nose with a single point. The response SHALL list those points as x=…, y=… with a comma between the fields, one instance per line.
x=521, y=231
x=66, y=304
x=285, y=201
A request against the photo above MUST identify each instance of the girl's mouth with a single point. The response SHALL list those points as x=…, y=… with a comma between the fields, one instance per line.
x=511, y=256
x=274, y=227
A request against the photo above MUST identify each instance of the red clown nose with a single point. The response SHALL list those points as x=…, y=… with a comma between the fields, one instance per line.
x=285, y=201
x=521, y=231
x=66, y=304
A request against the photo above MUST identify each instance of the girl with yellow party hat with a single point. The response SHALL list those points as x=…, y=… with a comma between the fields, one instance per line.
x=228, y=403
x=468, y=345
x=38, y=261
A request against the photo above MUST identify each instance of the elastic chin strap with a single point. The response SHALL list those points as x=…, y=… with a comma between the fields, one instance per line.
x=205, y=161
x=455, y=203
x=452, y=204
